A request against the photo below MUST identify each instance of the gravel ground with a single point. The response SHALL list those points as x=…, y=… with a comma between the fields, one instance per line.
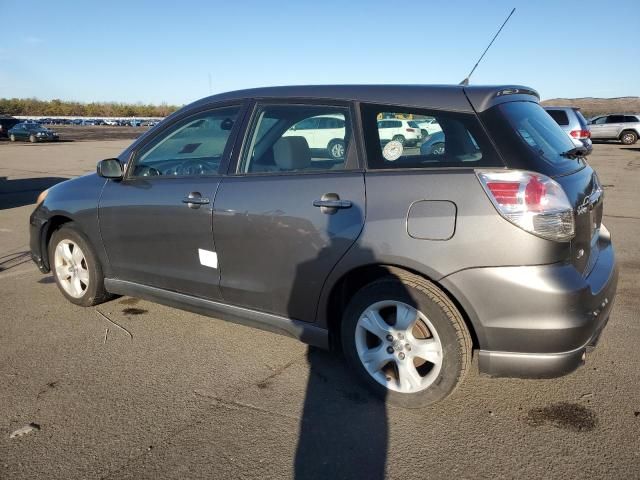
x=186, y=396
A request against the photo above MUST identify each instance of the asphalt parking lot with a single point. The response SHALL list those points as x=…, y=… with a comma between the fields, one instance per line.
x=177, y=395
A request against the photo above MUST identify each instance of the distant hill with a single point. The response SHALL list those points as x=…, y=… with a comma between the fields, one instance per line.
x=591, y=107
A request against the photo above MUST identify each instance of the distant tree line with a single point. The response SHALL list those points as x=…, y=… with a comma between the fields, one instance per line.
x=53, y=108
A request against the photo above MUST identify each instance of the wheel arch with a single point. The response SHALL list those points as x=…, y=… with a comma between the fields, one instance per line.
x=629, y=130
x=354, y=279
x=54, y=223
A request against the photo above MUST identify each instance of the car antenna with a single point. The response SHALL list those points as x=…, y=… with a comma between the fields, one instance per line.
x=465, y=82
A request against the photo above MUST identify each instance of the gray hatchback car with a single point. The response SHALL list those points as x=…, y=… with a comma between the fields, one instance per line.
x=408, y=262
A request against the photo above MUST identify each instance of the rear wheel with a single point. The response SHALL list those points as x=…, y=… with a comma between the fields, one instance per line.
x=400, y=138
x=76, y=268
x=629, y=137
x=437, y=149
x=406, y=341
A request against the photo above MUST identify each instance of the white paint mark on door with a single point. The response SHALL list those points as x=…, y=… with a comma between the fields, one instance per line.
x=208, y=258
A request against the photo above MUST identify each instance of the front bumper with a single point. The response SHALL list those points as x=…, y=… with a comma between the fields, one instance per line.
x=537, y=321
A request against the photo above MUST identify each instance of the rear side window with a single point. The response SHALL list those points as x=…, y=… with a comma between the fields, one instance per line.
x=418, y=138
x=560, y=116
x=630, y=119
x=298, y=138
x=528, y=138
x=615, y=119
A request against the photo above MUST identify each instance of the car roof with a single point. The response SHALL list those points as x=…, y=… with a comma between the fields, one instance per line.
x=437, y=97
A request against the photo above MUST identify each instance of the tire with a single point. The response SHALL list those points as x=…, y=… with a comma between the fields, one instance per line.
x=629, y=137
x=83, y=282
x=12, y=137
x=32, y=139
x=336, y=149
x=400, y=138
x=439, y=331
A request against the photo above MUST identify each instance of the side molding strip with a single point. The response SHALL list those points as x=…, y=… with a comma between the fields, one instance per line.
x=302, y=331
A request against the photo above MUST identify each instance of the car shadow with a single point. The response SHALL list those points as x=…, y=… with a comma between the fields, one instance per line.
x=24, y=191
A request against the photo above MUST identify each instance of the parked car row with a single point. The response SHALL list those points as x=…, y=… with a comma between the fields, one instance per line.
x=136, y=122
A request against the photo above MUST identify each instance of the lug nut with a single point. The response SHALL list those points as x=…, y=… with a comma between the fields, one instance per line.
x=389, y=349
x=408, y=347
x=390, y=337
x=401, y=355
x=400, y=336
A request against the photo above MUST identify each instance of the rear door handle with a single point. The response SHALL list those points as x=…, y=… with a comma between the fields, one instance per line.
x=329, y=203
x=195, y=199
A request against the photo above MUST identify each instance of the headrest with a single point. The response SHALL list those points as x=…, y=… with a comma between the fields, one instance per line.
x=292, y=153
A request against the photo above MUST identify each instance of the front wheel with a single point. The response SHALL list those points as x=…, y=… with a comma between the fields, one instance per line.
x=76, y=268
x=32, y=138
x=12, y=137
x=628, y=138
x=406, y=340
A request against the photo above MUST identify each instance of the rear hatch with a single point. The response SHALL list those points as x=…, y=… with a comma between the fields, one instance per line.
x=529, y=139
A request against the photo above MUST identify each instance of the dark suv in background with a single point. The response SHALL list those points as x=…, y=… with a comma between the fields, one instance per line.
x=408, y=261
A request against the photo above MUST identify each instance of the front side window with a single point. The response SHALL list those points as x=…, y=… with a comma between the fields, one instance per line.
x=599, y=121
x=193, y=147
x=297, y=138
x=424, y=139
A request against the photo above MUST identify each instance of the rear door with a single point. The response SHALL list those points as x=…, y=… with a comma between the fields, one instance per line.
x=614, y=125
x=286, y=214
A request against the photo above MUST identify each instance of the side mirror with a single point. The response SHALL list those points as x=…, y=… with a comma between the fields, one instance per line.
x=110, y=168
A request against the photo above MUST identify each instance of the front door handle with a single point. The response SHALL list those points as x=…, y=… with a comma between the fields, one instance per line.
x=195, y=199
x=329, y=203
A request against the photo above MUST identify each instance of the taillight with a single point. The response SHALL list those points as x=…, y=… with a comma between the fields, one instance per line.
x=532, y=201
x=580, y=134
x=410, y=130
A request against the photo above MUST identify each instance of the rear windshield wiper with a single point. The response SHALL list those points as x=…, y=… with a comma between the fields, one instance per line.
x=575, y=152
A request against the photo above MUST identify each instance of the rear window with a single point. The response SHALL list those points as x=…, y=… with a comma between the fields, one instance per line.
x=560, y=116
x=529, y=138
x=452, y=139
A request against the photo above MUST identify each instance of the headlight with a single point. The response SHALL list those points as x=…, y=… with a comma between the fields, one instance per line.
x=42, y=196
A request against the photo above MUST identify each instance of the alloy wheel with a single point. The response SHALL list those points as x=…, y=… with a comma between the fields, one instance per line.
x=398, y=346
x=71, y=268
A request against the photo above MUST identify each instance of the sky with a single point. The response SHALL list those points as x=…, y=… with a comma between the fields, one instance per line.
x=179, y=51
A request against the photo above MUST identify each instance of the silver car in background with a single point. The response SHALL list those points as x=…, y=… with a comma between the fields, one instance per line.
x=573, y=122
x=625, y=128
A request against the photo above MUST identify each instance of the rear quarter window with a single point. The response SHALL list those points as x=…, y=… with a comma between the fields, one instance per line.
x=456, y=140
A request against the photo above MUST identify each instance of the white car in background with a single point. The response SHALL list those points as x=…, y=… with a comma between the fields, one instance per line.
x=428, y=126
x=407, y=132
x=112, y=123
x=323, y=133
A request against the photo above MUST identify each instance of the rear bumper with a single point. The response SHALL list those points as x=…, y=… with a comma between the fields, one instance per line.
x=540, y=319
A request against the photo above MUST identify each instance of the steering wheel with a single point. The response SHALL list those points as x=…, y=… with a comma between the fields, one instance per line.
x=146, y=171
x=194, y=168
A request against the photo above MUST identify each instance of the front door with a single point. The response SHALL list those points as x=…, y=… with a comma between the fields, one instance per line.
x=287, y=213
x=156, y=222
